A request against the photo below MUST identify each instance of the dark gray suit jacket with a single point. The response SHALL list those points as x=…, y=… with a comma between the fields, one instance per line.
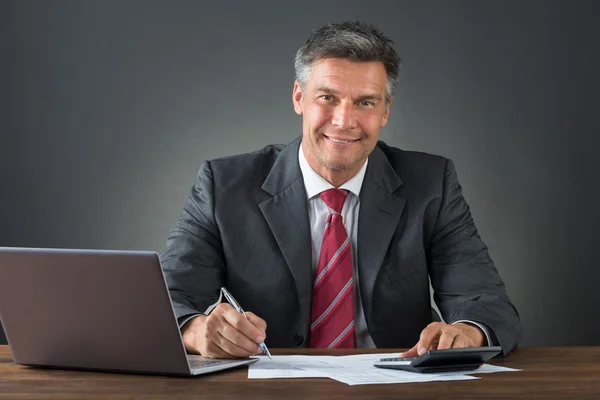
x=246, y=227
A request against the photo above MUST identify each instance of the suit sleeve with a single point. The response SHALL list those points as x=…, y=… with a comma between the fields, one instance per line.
x=466, y=284
x=193, y=260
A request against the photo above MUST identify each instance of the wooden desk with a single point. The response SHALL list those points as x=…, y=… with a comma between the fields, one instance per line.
x=548, y=373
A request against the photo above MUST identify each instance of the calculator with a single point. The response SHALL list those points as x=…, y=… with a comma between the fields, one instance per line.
x=447, y=360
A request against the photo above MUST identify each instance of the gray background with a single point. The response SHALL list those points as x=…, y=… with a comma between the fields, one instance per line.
x=107, y=109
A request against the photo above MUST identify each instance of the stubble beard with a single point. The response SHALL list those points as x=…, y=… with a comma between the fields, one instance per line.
x=340, y=164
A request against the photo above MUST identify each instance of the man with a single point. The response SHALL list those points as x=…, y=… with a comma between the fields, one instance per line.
x=331, y=240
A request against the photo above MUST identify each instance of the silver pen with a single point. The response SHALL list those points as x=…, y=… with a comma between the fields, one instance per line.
x=239, y=308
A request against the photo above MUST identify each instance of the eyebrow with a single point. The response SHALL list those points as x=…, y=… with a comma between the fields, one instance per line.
x=373, y=96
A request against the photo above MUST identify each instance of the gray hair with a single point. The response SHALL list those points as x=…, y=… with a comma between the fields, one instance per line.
x=354, y=41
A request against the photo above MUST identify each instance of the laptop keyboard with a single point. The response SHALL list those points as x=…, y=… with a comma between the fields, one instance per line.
x=195, y=363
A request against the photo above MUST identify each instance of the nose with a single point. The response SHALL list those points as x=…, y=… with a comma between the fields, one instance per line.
x=343, y=116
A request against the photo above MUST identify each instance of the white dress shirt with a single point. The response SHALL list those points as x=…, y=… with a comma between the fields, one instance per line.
x=317, y=215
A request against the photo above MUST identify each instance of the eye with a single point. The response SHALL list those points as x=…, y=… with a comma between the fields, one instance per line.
x=366, y=103
x=326, y=97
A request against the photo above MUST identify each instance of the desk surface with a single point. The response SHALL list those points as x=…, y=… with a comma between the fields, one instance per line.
x=548, y=373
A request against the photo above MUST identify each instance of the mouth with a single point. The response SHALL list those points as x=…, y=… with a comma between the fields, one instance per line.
x=341, y=141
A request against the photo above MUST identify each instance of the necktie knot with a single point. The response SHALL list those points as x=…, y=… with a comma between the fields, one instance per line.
x=334, y=199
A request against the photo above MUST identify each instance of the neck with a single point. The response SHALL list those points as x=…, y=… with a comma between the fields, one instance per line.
x=334, y=176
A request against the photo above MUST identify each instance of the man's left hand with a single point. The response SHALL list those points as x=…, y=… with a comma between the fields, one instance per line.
x=439, y=335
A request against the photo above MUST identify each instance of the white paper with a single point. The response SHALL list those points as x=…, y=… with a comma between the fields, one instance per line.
x=352, y=370
x=289, y=367
x=359, y=370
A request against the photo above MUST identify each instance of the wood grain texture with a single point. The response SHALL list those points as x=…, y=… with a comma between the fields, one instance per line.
x=547, y=373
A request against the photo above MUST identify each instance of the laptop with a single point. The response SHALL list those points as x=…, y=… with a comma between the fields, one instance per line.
x=104, y=310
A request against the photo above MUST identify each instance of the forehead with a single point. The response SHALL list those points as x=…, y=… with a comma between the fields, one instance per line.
x=342, y=73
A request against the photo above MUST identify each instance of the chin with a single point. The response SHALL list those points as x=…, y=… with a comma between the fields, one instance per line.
x=340, y=165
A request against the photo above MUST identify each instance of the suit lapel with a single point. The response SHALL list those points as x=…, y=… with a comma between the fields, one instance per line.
x=379, y=214
x=287, y=215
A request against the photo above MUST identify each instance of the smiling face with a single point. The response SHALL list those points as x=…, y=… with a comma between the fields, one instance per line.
x=343, y=108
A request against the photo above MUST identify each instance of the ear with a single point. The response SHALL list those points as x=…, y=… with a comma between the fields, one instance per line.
x=297, y=98
x=386, y=113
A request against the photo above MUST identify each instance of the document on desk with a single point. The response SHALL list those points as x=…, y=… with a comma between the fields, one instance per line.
x=291, y=367
x=352, y=370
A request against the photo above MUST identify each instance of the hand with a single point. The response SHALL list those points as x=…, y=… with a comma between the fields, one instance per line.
x=225, y=333
x=439, y=335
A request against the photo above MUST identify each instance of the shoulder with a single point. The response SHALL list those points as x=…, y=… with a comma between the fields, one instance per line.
x=406, y=162
x=248, y=162
x=240, y=172
x=423, y=175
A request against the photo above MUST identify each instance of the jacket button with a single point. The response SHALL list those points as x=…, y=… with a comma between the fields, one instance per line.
x=298, y=340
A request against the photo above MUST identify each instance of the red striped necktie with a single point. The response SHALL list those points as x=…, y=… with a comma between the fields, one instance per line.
x=332, y=316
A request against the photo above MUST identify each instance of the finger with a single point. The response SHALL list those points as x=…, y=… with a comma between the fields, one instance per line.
x=460, y=342
x=244, y=326
x=258, y=322
x=434, y=345
x=204, y=338
x=232, y=348
x=412, y=352
x=446, y=339
x=230, y=332
x=217, y=324
x=429, y=336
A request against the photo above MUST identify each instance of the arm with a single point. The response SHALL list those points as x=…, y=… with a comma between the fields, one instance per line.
x=465, y=281
x=193, y=259
x=194, y=267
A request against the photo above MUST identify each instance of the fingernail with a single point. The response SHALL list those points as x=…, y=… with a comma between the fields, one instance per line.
x=422, y=350
x=260, y=339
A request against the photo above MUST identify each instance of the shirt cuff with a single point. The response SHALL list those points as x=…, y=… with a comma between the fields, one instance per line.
x=184, y=320
x=480, y=326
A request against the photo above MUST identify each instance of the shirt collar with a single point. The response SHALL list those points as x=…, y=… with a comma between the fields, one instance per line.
x=315, y=184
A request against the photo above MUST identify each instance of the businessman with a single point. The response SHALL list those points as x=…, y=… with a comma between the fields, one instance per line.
x=331, y=240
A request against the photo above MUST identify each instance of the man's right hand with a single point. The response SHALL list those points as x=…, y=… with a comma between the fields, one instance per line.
x=225, y=333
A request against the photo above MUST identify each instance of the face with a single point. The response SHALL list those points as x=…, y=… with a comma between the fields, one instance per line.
x=343, y=108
